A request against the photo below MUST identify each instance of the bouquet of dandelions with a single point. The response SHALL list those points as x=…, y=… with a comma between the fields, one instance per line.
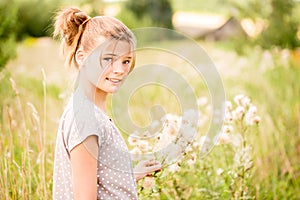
x=180, y=136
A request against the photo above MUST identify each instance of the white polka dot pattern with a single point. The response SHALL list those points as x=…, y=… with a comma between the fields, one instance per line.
x=115, y=178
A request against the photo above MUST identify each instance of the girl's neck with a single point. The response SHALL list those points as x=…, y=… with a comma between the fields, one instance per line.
x=94, y=94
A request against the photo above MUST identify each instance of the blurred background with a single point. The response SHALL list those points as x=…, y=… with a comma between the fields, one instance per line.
x=253, y=43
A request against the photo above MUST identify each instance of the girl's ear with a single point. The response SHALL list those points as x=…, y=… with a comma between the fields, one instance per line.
x=80, y=56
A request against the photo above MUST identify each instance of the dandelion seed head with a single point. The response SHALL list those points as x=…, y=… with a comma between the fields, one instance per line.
x=223, y=138
x=227, y=129
x=228, y=105
x=171, y=124
x=187, y=132
x=236, y=139
x=144, y=146
x=192, y=160
x=190, y=117
x=238, y=113
x=135, y=154
x=220, y=171
x=174, y=168
x=256, y=119
x=148, y=183
x=132, y=140
x=189, y=148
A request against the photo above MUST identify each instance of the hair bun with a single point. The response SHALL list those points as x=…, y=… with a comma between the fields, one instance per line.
x=67, y=23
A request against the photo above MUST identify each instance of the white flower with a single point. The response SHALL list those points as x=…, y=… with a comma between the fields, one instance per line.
x=170, y=153
x=242, y=100
x=171, y=124
x=224, y=138
x=250, y=117
x=252, y=109
x=158, y=135
x=144, y=146
x=220, y=171
x=228, y=117
x=227, y=129
x=135, y=154
x=256, y=119
x=238, y=99
x=238, y=113
x=195, y=144
x=192, y=160
x=163, y=140
x=149, y=183
x=132, y=140
x=243, y=157
x=236, y=140
x=188, y=149
x=228, y=105
x=187, y=132
x=173, y=168
x=190, y=117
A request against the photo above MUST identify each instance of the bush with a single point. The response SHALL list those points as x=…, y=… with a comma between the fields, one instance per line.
x=137, y=14
x=35, y=18
x=278, y=14
x=280, y=17
x=8, y=17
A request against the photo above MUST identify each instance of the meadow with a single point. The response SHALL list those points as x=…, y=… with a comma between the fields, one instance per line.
x=266, y=165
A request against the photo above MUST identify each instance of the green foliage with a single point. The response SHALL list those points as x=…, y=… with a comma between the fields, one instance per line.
x=35, y=17
x=277, y=14
x=147, y=13
x=280, y=17
x=8, y=18
x=128, y=18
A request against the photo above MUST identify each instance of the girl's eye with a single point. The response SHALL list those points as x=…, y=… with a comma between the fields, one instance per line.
x=107, y=59
x=126, y=62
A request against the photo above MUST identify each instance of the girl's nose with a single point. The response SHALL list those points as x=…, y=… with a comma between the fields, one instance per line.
x=118, y=67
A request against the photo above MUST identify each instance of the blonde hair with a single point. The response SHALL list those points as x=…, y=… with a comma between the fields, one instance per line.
x=76, y=29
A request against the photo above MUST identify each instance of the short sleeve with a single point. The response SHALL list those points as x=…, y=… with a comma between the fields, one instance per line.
x=82, y=130
x=82, y=120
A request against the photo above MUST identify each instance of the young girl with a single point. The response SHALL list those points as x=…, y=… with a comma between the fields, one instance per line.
x=91, y=157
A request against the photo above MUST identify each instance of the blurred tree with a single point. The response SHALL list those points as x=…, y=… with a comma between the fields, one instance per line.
x=35, y=17
x=156, y=12
x=8, y=18
x=282, y=29
x=277, y=13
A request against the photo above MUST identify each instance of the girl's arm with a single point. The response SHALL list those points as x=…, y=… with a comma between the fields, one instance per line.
x=84, y=169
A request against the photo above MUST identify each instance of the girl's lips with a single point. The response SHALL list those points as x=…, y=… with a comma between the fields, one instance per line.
x=114, y=80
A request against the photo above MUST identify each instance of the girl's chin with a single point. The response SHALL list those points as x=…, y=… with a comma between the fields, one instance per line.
x=110, y=89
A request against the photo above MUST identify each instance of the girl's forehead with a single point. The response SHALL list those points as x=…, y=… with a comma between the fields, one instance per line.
x=118, y=48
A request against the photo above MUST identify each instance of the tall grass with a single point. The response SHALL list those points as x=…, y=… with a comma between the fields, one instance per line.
x=27, y=156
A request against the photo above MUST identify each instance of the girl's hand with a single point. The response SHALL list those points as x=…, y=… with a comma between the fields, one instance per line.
x=145, y=167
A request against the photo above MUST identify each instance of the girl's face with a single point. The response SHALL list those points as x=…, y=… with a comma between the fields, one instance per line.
x=111, y=67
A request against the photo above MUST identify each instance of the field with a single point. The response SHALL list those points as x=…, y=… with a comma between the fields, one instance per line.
x=35, y=87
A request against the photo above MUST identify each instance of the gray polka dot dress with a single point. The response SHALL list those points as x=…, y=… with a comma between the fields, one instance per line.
x=115, y=178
